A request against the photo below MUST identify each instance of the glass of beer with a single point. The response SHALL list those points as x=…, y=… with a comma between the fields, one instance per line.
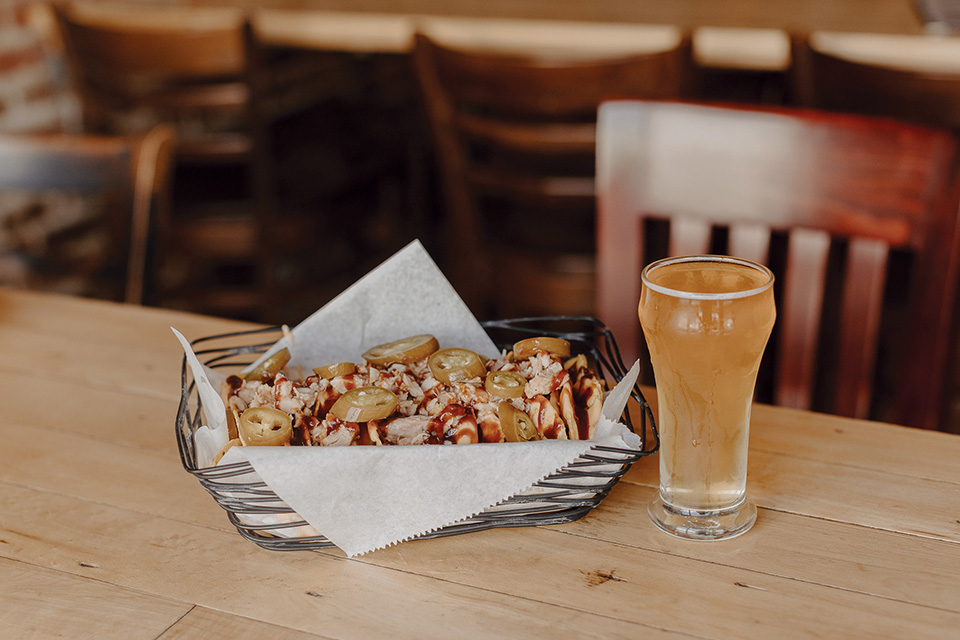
x=706, y=320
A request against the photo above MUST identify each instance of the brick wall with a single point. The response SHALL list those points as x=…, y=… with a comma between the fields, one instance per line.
x=31, y=91
x=38, y=231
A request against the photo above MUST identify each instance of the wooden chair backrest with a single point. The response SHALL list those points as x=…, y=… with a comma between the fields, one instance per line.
x=201, y=74
x=520, y=128
x=822, y=77
x=854, y=209
x=204, y=71
x=130, y=176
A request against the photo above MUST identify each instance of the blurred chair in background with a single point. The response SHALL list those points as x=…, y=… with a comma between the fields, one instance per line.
x=231, y=247
x=857, y=217
x=75, y=210
x=911, y=78
x=132, y=72
x=514, y=135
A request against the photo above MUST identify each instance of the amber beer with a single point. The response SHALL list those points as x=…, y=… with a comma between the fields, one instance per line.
x=706, y=320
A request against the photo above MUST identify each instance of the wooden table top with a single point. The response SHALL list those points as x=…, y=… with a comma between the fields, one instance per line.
x=728, y=34
x=863, y=16
x=104, y=535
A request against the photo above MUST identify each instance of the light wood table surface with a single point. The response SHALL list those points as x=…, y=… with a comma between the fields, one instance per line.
x=863, y=16
x=389, y=28
x=104, y=535
x=749, y=35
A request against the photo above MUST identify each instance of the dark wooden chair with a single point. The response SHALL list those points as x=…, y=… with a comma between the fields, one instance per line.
x=205, y=72
x=858, y=218
x=916, y=79
x=514, y=139
x=79, y=208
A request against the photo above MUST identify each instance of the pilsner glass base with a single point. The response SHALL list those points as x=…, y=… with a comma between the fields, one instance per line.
x=703, y=525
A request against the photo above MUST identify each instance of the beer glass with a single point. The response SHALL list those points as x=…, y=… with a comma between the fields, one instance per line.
x=706, y=320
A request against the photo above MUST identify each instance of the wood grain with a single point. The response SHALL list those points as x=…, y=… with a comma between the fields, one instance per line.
x=813, y=547
x=892, y=449
x=857, y=536
x=42, y=603
x=744, y=34
x=101, y=322
x=304, y=591
x=98, y=470
x=880, y=16
x=843, y=441
x=208, y=624
x=102, y=412
x=220, y=570
x=814, y=550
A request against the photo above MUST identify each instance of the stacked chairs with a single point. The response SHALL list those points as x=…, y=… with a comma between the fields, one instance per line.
x=858, y=218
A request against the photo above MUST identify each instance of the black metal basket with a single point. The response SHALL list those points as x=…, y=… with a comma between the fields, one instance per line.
x=261, y=516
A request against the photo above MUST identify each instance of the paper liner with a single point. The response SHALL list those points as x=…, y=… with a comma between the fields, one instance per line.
x=367, y=498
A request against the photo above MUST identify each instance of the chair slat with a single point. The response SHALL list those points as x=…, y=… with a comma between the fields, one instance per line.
x=818, y=181
x=551, y=137
x=515, y=139
x=750, y=241
x=860, y=325
x=624, y=237
x=554, y=191
x=689, y=237
x=799, y=316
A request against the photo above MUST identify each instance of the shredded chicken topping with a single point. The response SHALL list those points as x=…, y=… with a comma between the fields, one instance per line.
x=562, y=399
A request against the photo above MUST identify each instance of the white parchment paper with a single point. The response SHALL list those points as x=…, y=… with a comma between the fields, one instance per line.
x=366, y=498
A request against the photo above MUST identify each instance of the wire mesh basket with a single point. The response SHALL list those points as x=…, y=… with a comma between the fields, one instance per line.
x=567, y=495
